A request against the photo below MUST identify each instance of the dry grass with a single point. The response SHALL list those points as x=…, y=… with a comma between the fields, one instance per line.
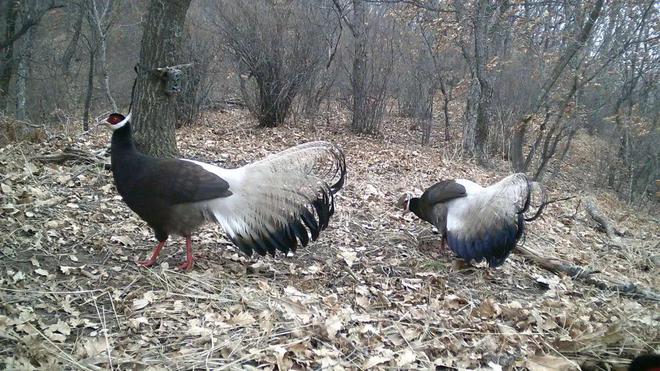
x=374, y=291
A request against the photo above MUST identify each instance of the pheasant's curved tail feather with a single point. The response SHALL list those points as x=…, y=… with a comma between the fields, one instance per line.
x=281, y=201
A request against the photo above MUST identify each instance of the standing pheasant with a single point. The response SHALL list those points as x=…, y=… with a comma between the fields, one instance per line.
x=274, y=204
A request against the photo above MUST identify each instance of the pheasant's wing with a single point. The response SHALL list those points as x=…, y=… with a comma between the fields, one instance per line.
x=174, y=181
x=443, y=191
x=280, y=201
x=488, y=224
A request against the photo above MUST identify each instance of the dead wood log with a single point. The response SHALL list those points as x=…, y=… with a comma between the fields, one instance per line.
x=603, y=221
x=560, y=266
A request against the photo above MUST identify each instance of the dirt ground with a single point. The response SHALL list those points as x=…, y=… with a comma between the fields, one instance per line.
x=374, y=291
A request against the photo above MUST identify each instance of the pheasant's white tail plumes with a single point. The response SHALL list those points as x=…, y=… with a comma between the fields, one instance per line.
x=489, y=223
x=281, y=200
x=321, y=160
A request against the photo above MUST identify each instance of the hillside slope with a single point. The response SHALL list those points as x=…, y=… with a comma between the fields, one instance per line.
x=373, y=291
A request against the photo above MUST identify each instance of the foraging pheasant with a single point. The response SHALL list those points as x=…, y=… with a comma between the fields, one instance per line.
x=476, y=223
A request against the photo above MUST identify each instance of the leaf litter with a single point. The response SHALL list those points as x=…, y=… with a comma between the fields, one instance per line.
x=374, y=292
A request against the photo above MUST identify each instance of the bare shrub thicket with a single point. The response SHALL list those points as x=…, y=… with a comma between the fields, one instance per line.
x=368, y=58
x=277, y=46
x=429, y=72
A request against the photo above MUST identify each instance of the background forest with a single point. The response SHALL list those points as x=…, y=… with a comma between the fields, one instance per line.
x=517, y=80
x=413, y=91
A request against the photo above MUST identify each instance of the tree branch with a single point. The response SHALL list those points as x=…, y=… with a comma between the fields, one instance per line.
x=576, y=272
x=568, y=55
x=29, y=23
x=343, y=17
x=416, y=3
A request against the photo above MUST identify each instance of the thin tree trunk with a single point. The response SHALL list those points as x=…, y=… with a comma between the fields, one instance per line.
x=102, y=43
x=479, y=100
x=90, y=89
x=7, y=53
x=153, y=110
x=485, y=90
x=359, y=122
x=22, y=75
x=104, y=70
x=471, y=110
x=73, y=44
x=562, y=157
x=427, y=116
x=445, y=107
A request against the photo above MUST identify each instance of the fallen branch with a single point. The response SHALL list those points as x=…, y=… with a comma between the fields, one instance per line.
x=544, y=204
x=603, y=221
x=577, y=272
x=74, y=155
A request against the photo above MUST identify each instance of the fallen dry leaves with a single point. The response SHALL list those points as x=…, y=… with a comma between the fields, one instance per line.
x=374, y=292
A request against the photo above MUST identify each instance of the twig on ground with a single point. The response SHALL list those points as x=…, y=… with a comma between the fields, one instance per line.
x=557, y=265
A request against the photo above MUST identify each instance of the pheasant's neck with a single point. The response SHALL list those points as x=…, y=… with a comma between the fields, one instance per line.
x=123, y=152
x=122, y=141
x=417, y=208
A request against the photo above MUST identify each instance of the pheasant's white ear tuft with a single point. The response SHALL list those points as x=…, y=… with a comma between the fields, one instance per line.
x=122, y=122
x=404, y=201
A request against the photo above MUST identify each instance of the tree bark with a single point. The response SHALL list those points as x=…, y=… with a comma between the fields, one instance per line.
x=102, y=36
x=73, y=44
x=11, y=35
x=90, y=88
x=479, y=101
x=471, y=112
x=7, y=52
x=22, y=75
x=485, y=88
x=359, y=122
x=446, y=97
x=153, y=110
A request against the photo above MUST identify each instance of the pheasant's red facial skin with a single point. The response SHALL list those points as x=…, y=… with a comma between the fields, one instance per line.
x=116, y=120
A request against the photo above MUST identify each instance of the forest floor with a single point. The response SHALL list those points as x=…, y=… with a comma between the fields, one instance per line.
x=374, y=291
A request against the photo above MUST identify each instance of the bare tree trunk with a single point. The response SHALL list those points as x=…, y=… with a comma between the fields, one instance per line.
x=12, y=9
x=154, y=111
x=469, y=135
x=562, y=157
x=22, y=75
x=577, y=272
x=427, y=116
x=90, y=89
x=445, y=107
x=102, y=35
x=104, y=71
x=7, y=53
x=359, y=122
x=73, y=44
x=485, y=89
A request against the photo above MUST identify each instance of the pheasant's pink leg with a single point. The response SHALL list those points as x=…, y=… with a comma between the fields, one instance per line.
x=443, y=245
x=154, y=255
x=188, y=264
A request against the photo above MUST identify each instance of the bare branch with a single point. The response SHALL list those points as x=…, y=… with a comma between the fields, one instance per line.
x=29, y=23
